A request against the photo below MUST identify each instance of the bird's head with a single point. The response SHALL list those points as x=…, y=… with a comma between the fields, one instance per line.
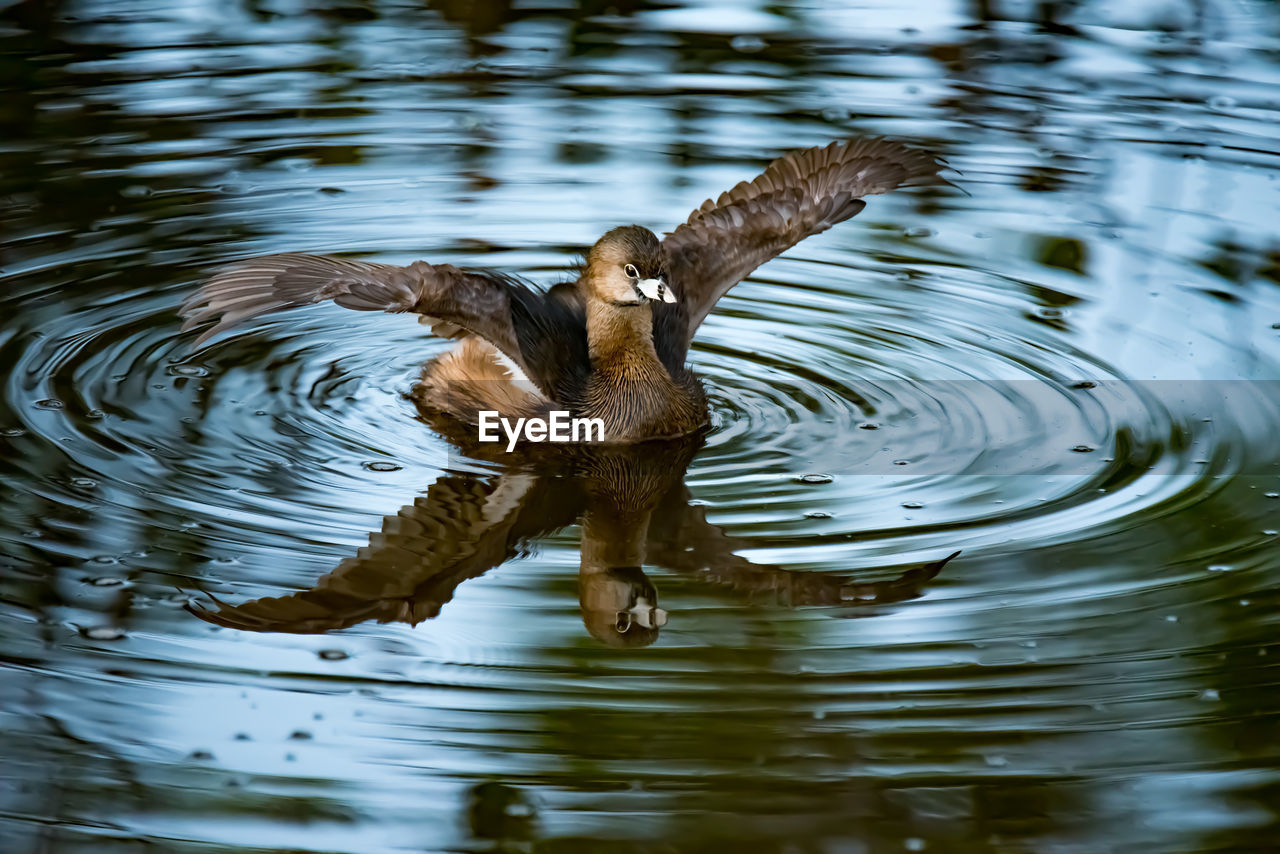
x=626, y=267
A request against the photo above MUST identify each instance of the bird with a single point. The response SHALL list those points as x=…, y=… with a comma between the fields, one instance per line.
x=610, y=345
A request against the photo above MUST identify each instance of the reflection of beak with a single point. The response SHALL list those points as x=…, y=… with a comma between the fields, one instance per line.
x=642, y=614
x=656, y=289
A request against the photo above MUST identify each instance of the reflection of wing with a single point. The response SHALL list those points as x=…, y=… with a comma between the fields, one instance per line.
x=681, y=538
x=544, y=334
x=463, y=527
x=798, y=195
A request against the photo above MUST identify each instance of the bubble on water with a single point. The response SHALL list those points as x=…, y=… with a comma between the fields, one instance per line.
x=83, y=482
x=333, y=655
x=49, y=403
x=912, y=505
x=1222, y=103
x=1272, y=495
x=104, y=560
x=13, y=432
x=331, y=191
x=242, y=736
x=1209, y=695
x=187, y=371
x=106, y=581
x=200, y=756
x=95, y=414
x=1048, y=312
x=918, y=231
x=102, y=633
x=817, y=514
x=1083, y=384
x=1220, y=567
x=995, y=761
x=868, y=425
x=900, y=462
x=1270, y=532
x=1083, y=449
x=379, y=465
x=815, y=478
x=300, y=735
x=747, y=44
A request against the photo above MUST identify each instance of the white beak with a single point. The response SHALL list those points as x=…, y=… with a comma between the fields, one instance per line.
x=656, y=289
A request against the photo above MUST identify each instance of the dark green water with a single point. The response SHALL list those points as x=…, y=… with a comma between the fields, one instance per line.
x=1068, y=370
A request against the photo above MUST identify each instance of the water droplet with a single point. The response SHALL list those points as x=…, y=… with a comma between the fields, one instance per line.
x=187, y=371
x=912, y=505
x=817, y=514
x=379, y=465
x=815, y=478
x=49, y=403
x=1209, y=695
x=104, y=560
x=1272, y=495
x=106, y=581
x=102, y=633
x=333, y=655
x=95, y=414
x=900, y=462
x=260, y=412
x=83, y=482
x=868, y=425
x=1082, y=449
x=1270, y=532
x=1220, y=567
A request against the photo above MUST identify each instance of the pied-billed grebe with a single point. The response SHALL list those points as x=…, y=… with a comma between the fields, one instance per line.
x=610, y=345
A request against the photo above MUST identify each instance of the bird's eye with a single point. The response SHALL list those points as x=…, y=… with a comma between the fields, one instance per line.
x=631, y=271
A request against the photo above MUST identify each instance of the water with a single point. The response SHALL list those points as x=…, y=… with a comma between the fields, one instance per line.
x=1066, y=370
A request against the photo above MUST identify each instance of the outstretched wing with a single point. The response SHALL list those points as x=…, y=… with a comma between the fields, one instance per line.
x=800, y=194
x=459, y=530
x=544, y=334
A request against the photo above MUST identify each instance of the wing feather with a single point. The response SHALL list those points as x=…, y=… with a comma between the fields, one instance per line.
x=544, y=336
x=798, y=195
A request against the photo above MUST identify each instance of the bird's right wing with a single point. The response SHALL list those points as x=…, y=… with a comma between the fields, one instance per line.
x=540, y=334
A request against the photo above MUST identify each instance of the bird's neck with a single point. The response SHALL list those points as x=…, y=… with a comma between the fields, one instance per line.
x=620, y=341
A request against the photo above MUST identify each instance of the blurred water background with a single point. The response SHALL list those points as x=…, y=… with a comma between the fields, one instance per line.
x=1066, y=369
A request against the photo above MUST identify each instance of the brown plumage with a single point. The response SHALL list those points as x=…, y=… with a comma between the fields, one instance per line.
x=610, y=345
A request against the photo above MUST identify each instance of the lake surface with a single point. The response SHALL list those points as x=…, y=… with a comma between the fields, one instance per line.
x=1065, y=367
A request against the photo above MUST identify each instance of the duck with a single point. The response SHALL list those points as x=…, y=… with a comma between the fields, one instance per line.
x=609, y=345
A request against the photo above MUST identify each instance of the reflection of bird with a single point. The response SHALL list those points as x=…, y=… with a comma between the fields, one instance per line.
x=610, y=345
x=633, y=508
